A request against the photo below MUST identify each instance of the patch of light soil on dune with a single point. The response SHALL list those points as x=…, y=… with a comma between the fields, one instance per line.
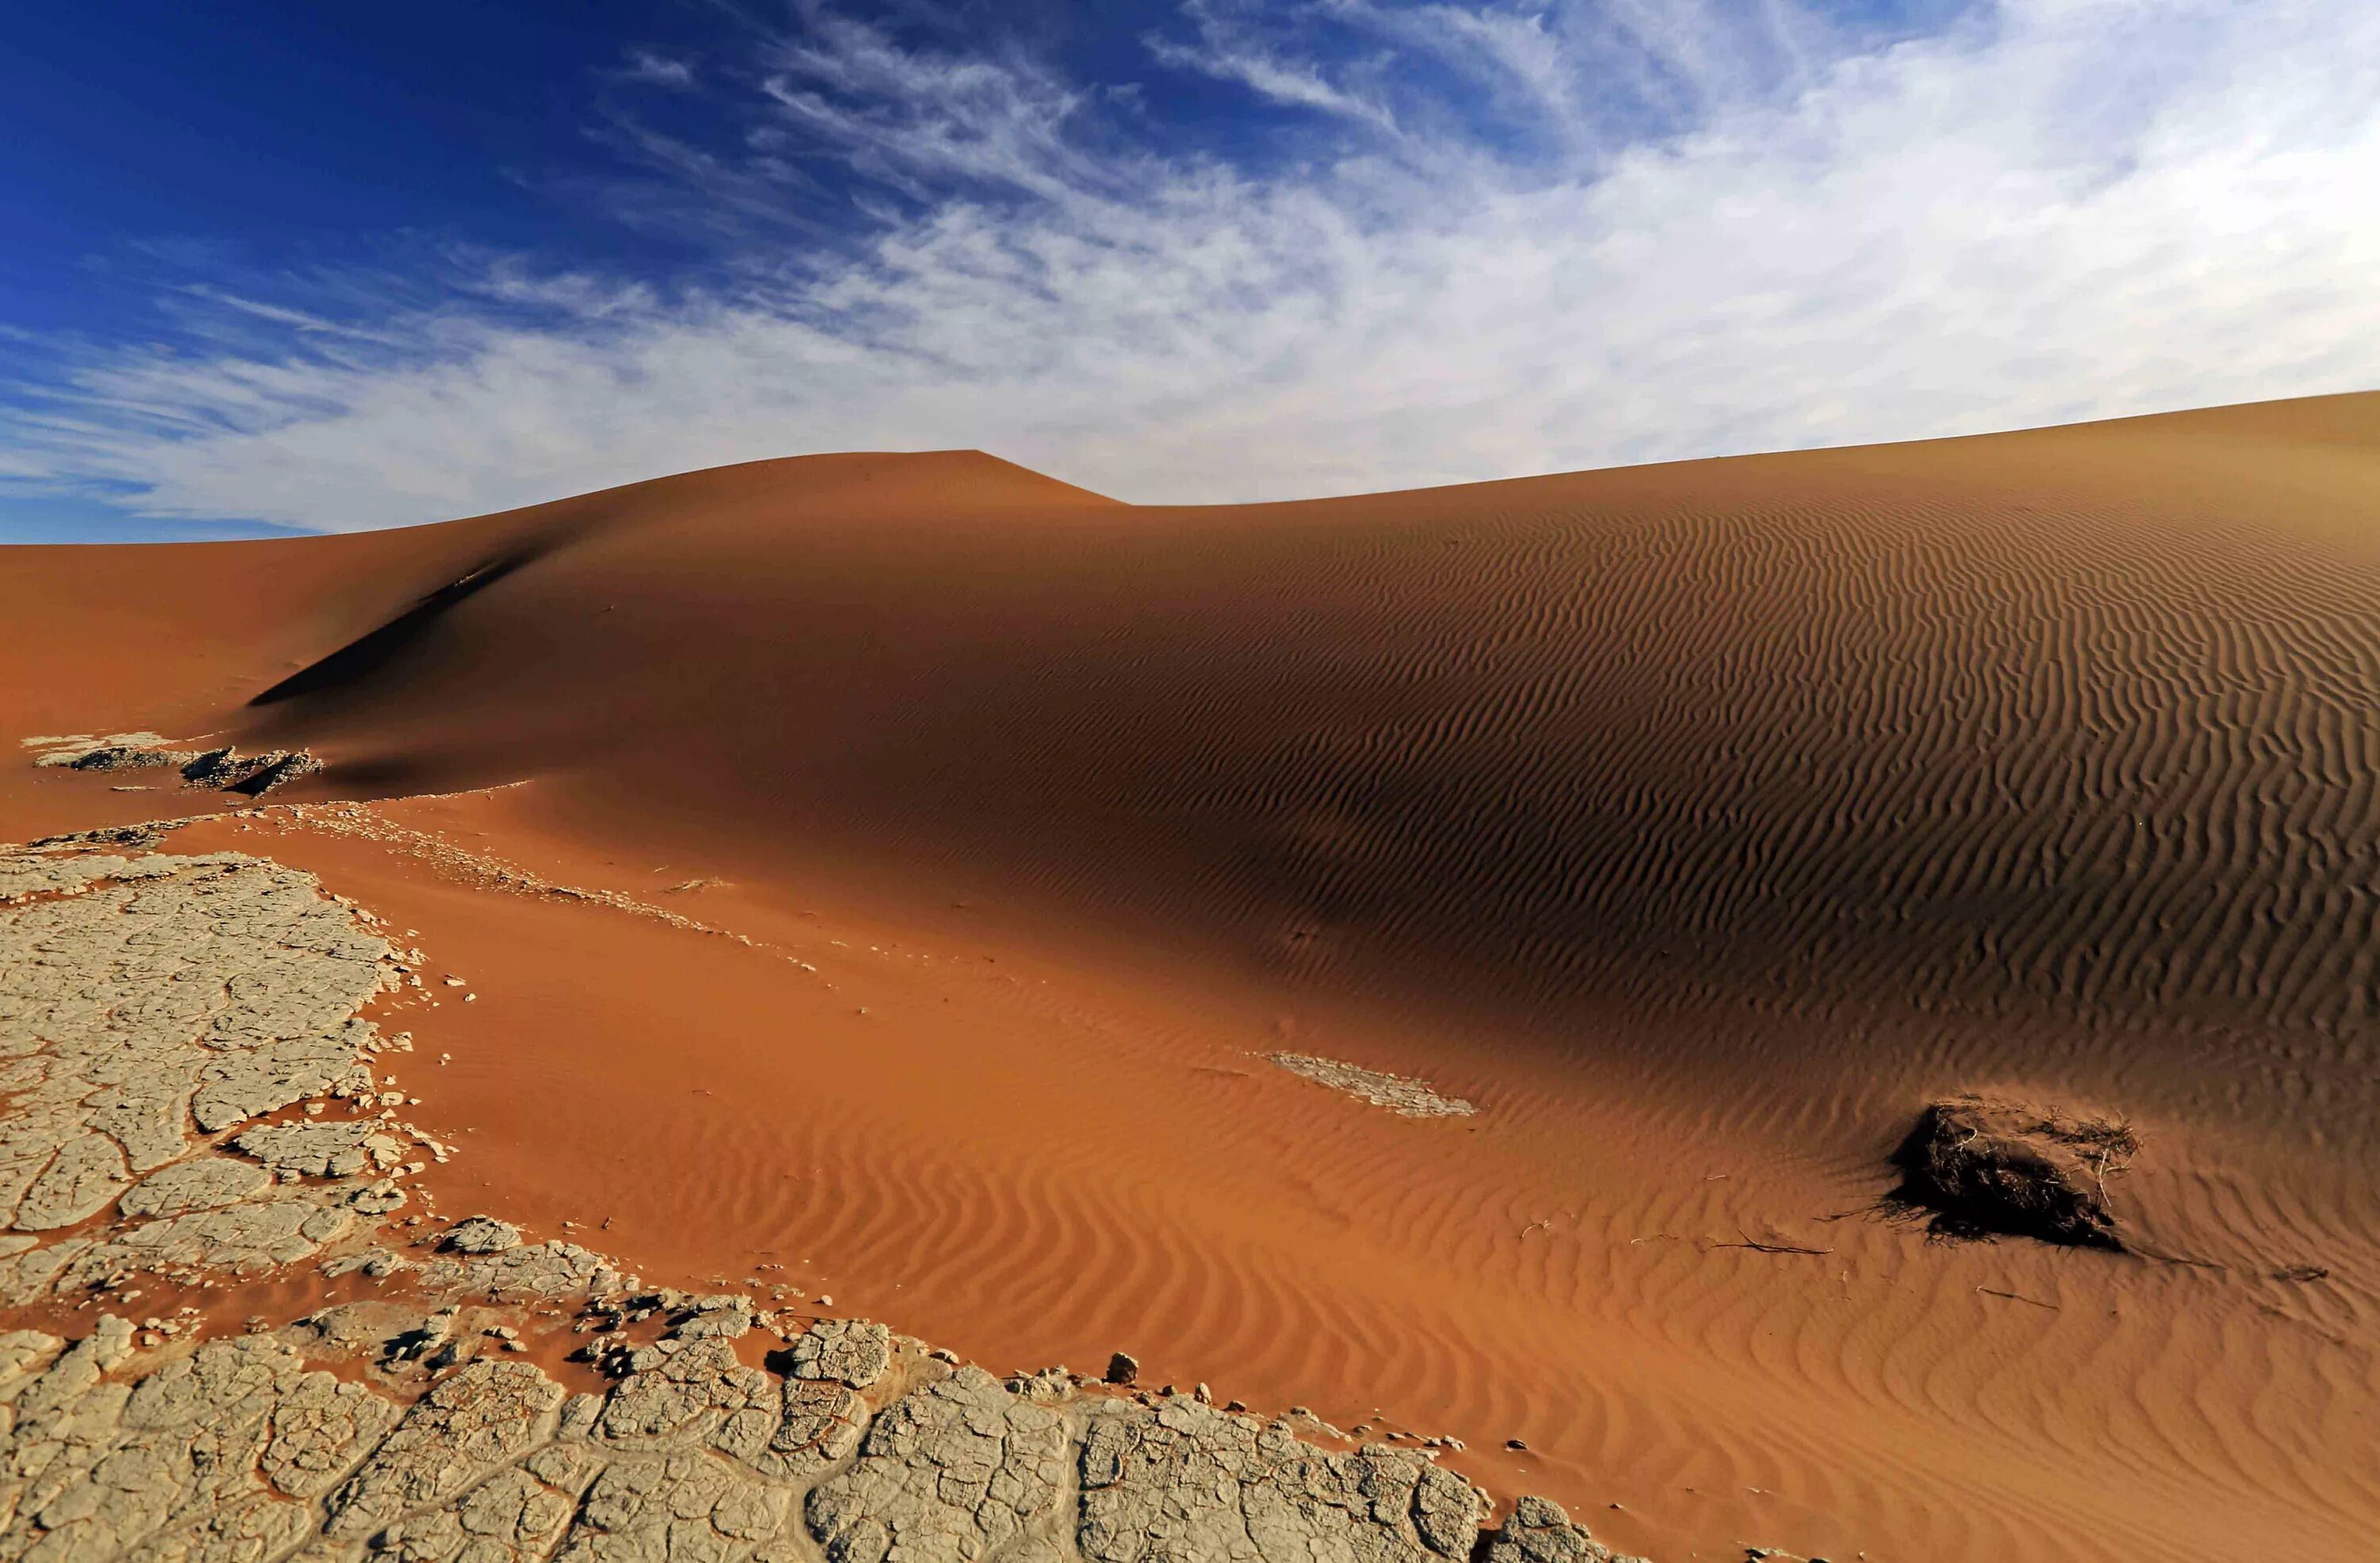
x=1395, y=1092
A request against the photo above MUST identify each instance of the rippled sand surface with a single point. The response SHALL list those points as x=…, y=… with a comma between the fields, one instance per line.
x=1695, y=824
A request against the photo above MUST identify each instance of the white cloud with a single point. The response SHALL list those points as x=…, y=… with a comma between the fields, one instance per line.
x=919, y=117
x=2056, y=210
x=656, y=70
x=1228, y=49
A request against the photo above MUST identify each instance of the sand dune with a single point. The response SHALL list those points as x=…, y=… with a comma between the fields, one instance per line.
x=1697, y=823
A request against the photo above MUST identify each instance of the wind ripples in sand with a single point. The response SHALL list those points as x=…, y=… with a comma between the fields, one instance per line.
x=1694, y=823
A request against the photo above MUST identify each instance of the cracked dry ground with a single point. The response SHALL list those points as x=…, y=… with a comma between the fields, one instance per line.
x=191, y=1107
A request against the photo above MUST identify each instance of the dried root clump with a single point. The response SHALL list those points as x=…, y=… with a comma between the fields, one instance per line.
x=1982, y=1166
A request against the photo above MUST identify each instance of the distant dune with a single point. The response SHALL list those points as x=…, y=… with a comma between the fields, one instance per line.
x=1697, y=822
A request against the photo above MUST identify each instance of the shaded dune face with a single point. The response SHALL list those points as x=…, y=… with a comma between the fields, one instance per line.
x=2058, y=729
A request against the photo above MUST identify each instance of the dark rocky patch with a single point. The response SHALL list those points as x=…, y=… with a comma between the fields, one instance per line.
x=226, y=770
x=126, y=756
x=1984, y=1167
x=223, y=770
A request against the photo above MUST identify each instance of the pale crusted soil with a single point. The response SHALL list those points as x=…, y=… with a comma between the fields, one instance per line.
x=153, y=1009
x=239, y=1450
x=1411, y=1098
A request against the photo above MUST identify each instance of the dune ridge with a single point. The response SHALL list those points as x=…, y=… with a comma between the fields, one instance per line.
x=1696, y=822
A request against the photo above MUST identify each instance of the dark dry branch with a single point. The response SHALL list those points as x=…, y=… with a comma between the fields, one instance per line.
x=1981, y=1166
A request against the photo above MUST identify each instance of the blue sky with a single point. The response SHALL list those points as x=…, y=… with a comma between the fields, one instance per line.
x=329, y=267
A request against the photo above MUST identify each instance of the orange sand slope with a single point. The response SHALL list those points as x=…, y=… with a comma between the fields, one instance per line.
x=1698, y=822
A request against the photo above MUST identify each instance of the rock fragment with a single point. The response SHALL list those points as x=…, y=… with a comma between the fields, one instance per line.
x=226, y=770
x=378, y=1199
x=481, y=1234
x=1538, y=1531
x=137, y=755
x=727, y=1317
x=220, y=769
x=1047, y=1387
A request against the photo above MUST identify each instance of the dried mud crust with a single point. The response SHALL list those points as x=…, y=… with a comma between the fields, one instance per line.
x=1982, y=1166
x=243, y=1452
x=1398, y=1094
x=150, y=1009
x=153, y=1009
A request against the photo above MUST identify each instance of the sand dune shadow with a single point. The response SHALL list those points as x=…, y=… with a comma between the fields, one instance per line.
x=369, y=652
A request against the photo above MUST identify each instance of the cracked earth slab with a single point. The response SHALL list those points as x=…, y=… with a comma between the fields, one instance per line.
x=1414, y=1099
x=223, y=768
x=243, y=1451
x=147, y=1005
x=153, y=1009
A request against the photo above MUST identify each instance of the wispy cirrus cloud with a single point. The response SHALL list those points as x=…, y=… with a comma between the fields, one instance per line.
x=1569, y=235
x=651, y=69
x=1229, y=43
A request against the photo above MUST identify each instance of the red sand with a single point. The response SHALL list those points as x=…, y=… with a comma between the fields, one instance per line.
x=1698, y=822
